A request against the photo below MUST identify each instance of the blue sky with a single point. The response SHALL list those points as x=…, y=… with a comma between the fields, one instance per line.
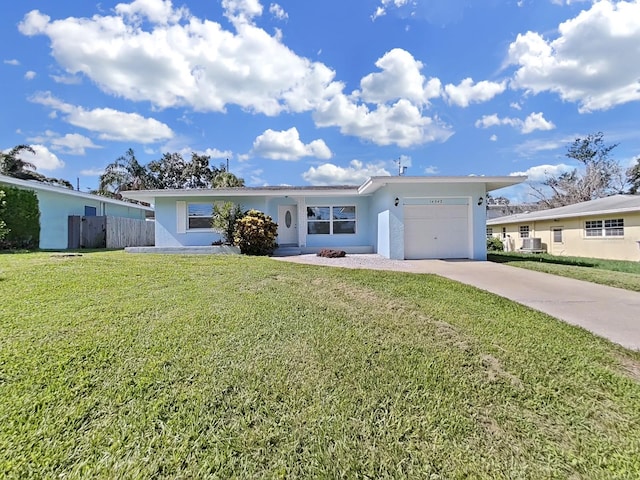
x=320, y=92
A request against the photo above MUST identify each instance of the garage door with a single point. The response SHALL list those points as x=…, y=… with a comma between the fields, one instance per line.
x=436, y=231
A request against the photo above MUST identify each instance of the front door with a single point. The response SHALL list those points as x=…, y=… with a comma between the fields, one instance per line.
x=287, y=225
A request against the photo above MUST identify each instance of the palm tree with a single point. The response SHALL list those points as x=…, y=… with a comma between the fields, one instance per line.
x=227, y=180
x=13, y=166
x=125, y=173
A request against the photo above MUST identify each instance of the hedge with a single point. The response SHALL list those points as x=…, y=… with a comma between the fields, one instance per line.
x=22, y=217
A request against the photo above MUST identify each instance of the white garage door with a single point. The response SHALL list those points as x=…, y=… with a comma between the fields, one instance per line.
x=436, y=231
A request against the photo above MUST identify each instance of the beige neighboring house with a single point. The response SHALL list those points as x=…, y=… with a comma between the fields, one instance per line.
x=604, y=228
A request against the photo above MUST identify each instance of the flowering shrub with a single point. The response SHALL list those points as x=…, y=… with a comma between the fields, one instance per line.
x=256, y=233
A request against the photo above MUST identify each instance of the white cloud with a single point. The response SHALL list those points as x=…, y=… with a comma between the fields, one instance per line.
x=13, y=62
x=431, y=170
x=399, y=124
x=536, y=121
x=242, y=11
x=515, y=105
x=355, y=174
x=278, y=12
x=400, y=78
x=43, y=159
x=286, y=145
x=466, y=92
x=110, y=124
x=30, y=75
x=156, y=11
x=592, y=62
x=92, y=172
x=493, y=138
x=540, y=173
x=174, y=59
x=71, y=143
x=533, y=122
x=67, y=79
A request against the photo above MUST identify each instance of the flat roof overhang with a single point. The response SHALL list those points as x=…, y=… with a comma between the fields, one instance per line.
x=491, y=183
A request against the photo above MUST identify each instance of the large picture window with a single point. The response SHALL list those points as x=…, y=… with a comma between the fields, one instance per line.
x=336, y=220
x=604, y=228
x=199, y=216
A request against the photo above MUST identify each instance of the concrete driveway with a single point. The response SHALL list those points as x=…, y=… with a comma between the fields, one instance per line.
x=609, y=312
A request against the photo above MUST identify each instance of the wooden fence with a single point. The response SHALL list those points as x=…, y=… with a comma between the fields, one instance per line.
x=109, y=232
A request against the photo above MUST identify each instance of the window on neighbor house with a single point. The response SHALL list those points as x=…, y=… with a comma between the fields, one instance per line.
x=604, y=228
x=489, y=232
x=557, y=235
x=524, y=231
x=199, y=216
x=614, y=228
x=331, y=220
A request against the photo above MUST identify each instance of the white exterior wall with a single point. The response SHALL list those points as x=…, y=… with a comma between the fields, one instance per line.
x=384, y=200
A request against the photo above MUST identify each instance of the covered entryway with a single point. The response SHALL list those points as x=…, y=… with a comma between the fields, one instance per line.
x=437, y=230
x=287, y=225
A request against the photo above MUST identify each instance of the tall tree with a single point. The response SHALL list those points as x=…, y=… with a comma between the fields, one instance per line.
x=598, y=176
x=168, y=171
x=633, y=178
x=226, y=179
x=125, y=173
x=13, y=166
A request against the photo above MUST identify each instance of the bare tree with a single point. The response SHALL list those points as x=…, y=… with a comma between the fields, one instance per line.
x=598, y=176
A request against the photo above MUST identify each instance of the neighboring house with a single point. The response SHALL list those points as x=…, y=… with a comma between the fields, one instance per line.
x=604, y=228
x=57, y=204
x=396, y=217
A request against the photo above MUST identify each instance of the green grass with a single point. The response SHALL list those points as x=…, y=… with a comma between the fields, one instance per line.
x=615, y=273
x=147, y=366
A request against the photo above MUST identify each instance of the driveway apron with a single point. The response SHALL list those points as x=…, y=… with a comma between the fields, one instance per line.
x=609, y=312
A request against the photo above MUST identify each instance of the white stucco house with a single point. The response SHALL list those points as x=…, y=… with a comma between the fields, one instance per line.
x=397, y=217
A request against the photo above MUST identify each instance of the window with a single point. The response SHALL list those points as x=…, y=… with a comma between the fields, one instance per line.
x=331, y=220
x=524, y=231
x=489, y=232
x=604, y=228
x=593, y=228
x=504, y=232
x=557, y=235
x=614, y=228
x=199, y=216
x=90, y=211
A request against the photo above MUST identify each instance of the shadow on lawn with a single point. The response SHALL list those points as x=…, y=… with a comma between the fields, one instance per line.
x=540, y=257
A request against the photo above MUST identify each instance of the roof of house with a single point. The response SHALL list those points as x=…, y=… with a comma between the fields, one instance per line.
x=35, y=185
x=367, y=188
x=602, y=206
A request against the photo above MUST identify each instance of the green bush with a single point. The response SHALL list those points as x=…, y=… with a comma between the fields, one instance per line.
x=3, y=226
x=22, y=217
x=494, y=244
x=256, y=233
x=225, y=216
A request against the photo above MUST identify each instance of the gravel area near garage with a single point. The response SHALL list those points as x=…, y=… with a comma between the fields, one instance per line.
x=367, y=261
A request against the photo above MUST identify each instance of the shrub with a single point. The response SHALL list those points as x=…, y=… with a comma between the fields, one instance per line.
x=255, y=233
x=225, y=216
x=494, y=244
x=329, y=253
x=22, y=218
x=3, y=226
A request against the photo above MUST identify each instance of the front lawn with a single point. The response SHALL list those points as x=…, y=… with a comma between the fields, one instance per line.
x=144, y=366
x=614, y=273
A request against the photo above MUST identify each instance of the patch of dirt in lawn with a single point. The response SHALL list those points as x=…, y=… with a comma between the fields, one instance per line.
x=630, y=367
x=495, y=370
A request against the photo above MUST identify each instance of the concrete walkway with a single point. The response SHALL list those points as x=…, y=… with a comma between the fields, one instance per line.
x=609, y=312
